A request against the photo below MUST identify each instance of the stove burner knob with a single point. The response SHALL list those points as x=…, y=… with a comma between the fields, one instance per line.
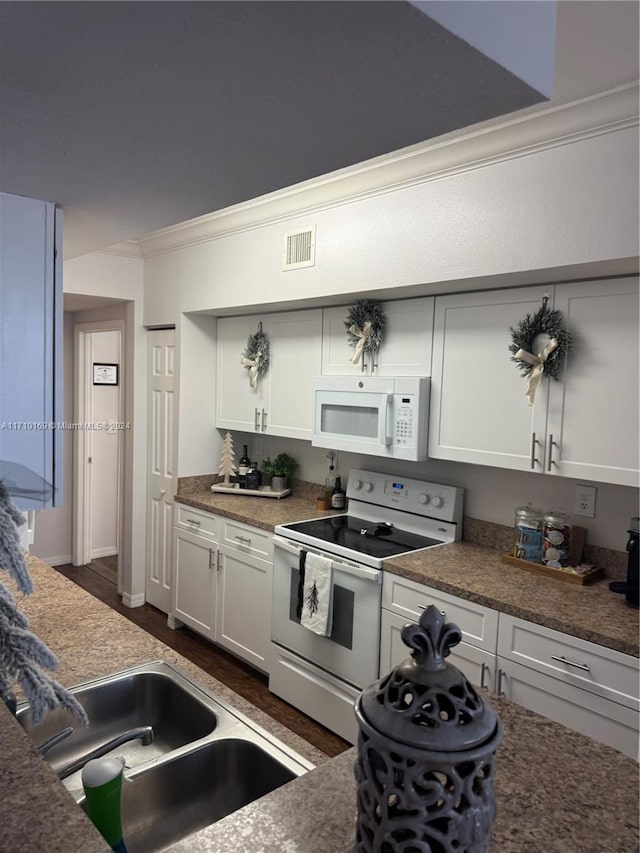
x=437, y=502
x=357, y=484
x=424, y=499
x=368, y=487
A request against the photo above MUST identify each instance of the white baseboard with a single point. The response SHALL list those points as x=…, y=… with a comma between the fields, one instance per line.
x=109, y=551
x=56, y=561
x=133, y=600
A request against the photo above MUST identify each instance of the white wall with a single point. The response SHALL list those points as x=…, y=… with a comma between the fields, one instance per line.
x=568, y=210
x=198, y=440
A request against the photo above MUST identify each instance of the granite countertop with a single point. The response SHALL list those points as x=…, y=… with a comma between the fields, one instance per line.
x=469, y=571
x=557, y=790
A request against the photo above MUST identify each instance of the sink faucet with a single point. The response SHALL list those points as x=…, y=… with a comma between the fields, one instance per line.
x=144, y=732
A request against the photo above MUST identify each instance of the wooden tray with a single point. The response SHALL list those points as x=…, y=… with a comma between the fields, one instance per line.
x=262, y=492
x=558, y=574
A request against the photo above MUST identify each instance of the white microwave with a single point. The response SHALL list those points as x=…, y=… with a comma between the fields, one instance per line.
x=375, y=415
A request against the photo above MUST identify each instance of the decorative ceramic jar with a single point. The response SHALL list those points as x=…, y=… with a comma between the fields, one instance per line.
x=426, y=752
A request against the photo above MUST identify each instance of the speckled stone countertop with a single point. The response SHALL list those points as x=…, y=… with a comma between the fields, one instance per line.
x=470, y=571
x=557, y=790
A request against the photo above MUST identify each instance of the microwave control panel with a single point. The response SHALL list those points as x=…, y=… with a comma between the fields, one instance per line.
x=404, y=420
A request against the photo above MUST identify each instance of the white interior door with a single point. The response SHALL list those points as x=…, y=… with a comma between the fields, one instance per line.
x=161, y=475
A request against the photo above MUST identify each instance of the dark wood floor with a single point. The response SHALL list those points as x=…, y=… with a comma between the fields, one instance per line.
x=237, y=675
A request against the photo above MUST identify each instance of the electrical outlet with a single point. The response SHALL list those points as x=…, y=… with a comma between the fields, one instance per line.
x=585, y=501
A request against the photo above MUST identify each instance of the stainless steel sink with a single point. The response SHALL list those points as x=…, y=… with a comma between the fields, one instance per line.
x=206, y=759
x=172, y=800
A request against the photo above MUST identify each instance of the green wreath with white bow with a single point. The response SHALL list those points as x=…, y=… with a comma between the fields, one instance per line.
x=539, y=345
x=365, y=328
x=256, y=356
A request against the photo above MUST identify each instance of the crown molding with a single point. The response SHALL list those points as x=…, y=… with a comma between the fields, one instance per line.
x=126, y=249
x=486, y=144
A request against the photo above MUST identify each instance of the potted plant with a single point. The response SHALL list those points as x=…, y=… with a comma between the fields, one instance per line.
x=282, y=468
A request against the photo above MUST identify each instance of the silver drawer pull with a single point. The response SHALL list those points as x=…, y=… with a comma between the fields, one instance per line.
x=501, y=675
x=243, y=539
x=562, y=659
x=424, y=607
x=194, y=521
x=484, y=668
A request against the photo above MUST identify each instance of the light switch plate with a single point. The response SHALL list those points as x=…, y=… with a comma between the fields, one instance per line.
x=585, y=501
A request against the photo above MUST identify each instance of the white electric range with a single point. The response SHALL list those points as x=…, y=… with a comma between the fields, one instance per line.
x=387, y=516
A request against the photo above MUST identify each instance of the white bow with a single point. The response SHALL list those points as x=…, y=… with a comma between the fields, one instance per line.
x=252, y=364
x=538, y=367
x=363, y=334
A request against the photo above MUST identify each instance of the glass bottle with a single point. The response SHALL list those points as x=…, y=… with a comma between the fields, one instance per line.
x=243, y=467
x=338, y=496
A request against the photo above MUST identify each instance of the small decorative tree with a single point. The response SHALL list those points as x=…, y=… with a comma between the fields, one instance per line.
x=227, y=460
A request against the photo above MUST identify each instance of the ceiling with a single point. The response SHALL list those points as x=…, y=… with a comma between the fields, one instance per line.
x=138, y=115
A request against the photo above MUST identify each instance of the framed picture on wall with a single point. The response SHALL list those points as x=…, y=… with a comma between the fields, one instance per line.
x=105, y=374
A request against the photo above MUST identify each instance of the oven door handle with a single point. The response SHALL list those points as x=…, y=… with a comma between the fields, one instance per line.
x=363, y=572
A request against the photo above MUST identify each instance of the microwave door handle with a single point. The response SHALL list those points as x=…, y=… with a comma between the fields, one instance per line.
x=388, y=438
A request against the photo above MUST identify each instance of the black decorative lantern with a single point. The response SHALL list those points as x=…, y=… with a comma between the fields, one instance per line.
x=426, y=752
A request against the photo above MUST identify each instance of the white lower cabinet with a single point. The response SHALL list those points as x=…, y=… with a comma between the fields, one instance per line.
x=223, y=590
x=195, y=582
x=587, y=687
x=244, y=606
x=403, y=601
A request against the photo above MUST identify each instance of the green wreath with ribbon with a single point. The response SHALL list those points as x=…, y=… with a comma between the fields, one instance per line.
x=365, y=328
x=256, y=356
x=539, y=345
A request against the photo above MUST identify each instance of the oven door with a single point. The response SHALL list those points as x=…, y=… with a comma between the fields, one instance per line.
x=351, y=651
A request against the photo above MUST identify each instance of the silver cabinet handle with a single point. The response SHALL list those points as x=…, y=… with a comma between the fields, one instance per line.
x=256, y=421
x=551, y=444
x=500, y=691
x=424, y=607
x=210, y=559
x=264, y=421
x=243, y=539
x=219, y=561
x=562, y=659
x=483, y=670
x=194, y=521
x=534, y=441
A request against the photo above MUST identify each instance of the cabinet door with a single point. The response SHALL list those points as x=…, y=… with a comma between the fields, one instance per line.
x=194, y=587
x=593, y=411
x=244, y=606
x=478, y=665
x=579, y=710
x=479, y=411
x=238, y=406
x=295, y=344
x=30, y=351
x=406, y=346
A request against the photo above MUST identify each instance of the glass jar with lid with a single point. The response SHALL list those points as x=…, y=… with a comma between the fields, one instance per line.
x=556, y=539
x=528, y=534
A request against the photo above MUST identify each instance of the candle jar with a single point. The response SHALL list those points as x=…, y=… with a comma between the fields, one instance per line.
x=528, y=534
x=556, y=537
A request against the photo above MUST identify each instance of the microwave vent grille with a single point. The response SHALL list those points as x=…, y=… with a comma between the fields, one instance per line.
x=299, y=248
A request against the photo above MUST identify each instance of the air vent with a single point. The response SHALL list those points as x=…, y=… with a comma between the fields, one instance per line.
x=299, y=249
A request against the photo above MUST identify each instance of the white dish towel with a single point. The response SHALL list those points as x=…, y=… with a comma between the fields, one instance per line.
x=317, y=602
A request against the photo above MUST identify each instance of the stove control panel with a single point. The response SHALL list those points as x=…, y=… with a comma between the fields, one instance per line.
x=433, y=500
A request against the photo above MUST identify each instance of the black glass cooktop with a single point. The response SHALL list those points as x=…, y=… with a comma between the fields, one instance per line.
x=366, y=537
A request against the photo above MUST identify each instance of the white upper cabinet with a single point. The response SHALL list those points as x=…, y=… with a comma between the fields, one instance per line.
x=479, y=411
x=282, y=402
x=30, y=351
x=593, y=411
x=406, y=345
x=583, y=425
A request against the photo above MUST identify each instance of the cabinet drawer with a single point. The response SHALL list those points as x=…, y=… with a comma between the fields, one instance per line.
x=479, y=625
x=604, y=672
x=578, y=710
x=204, y=523
x=250, y=540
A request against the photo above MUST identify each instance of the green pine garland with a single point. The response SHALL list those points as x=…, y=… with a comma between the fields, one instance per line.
x=363, y=311
x=258, y=343
x=543, y=322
